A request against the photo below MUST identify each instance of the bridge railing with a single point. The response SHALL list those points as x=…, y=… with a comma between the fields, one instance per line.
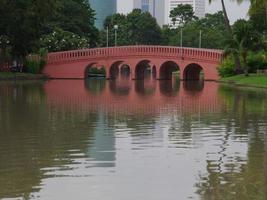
x=159, y=51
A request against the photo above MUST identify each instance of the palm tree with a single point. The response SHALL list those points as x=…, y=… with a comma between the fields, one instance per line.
x=244, y=39
x=230, y=32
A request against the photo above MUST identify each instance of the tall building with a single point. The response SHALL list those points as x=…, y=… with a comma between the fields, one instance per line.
x=103, y=8
x=198, y=7
x=155, y=7
x=160, y=9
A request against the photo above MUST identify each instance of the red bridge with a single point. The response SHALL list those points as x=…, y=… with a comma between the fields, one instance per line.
x=162, y=61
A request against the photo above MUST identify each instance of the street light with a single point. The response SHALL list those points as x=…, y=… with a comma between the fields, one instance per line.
x=116, y=27
x=107, y=37
x=200, y=38
x=181, y=43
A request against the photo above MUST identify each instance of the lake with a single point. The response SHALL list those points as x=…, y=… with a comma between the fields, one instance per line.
x=132, y=140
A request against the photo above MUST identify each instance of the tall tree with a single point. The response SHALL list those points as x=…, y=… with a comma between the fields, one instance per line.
x=258, y=13
x=135, y=28
x=75, y=16
x=230, y=32
x=183, y=13
x=22, y=22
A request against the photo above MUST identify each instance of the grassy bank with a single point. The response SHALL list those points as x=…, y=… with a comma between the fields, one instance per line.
x=21, y=76
x=251, y=80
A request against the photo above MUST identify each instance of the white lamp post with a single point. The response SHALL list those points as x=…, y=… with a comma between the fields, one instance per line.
x=116, y=27
x=200, y=38
x=107, y=37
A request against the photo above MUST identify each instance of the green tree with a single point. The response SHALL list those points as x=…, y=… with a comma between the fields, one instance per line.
x=22, y=22
x=60, y=40
x=258, y=14
x=230, y=33
x=183, y=13
x=245, y=38
x=213, y=32
x=135, y=28
x=75, y=16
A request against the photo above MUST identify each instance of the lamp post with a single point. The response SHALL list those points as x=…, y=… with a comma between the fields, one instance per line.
x=116, y=27
x=181, y=43
x=107, y=37
x=200, y=38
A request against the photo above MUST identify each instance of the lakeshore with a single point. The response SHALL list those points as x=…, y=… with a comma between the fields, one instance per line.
x=21, y=76
x=253, y=80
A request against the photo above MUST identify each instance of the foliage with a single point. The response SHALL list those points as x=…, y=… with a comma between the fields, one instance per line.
x=258, y=14
x=213, y=32
x=36, y=64
x=135, y=28
x=23, y=22
x=94, y=70
x=183, y=13
x=226, y=68
x=257, y=61
x=75, y=16
x=61, y=40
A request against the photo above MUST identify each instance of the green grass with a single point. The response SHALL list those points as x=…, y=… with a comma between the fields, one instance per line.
x=251, y=80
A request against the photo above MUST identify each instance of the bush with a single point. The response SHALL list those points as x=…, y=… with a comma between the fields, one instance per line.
x=227, y=67
x=33, y=66
x=257, y=61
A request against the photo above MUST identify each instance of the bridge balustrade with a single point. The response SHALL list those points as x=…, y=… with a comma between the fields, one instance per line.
x=161, y=51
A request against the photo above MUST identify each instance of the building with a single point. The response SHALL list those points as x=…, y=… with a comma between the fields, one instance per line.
x=103, y=8
x=160, y=9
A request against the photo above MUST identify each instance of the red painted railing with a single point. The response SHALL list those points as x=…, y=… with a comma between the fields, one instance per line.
x=158, y=51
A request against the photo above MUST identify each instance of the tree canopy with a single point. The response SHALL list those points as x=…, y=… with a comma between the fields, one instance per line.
x=183, y=13
x=135, y=28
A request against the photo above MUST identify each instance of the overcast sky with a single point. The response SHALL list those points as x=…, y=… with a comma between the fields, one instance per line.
x=235, y=11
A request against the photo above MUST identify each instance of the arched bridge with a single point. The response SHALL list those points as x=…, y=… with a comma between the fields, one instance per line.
x=160, y=60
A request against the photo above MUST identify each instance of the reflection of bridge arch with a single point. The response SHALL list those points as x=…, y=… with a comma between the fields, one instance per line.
x=73, y=64
x=143, y=97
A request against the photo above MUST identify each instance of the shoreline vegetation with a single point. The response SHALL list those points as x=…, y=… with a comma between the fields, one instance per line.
x=21, y=76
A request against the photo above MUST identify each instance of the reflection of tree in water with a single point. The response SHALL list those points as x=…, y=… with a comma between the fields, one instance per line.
x=96, y=86
x=233, y=180
x=41, y=140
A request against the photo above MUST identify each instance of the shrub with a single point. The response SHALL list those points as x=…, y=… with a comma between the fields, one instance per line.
x=257, y=61
x=226, y=68
x=33, y=66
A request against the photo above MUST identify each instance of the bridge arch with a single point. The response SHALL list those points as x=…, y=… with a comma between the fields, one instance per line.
x=114, y=69
x=141, y=68
x=125, y=70
x=193, y=71
x=166, y=70
x=87, y=69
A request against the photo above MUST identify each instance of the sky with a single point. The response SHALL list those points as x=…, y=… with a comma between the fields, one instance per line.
x=235, y=11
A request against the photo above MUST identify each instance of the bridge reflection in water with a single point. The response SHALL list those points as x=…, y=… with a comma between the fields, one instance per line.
x=130, y=97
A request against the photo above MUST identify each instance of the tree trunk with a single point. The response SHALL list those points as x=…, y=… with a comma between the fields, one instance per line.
x=244, y=55
x=228, y=27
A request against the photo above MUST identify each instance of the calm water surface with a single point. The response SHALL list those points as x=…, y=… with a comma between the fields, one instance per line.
x=126, y=140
